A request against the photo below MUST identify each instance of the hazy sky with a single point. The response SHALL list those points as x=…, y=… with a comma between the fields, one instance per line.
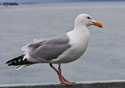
x=53, y=0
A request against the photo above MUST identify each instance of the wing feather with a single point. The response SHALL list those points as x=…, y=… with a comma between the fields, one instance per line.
x=50, y=49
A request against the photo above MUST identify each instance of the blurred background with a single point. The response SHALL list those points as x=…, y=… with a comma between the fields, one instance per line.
x=26, y=20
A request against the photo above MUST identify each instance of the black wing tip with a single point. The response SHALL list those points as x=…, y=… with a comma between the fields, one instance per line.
x=12, y=61
x=18, y=61
x=7, y=62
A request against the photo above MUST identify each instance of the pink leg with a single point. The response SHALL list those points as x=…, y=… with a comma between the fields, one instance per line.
x=51, y=65
x=61, y=78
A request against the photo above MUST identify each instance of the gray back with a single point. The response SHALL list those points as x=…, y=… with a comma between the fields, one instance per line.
x=52, y=48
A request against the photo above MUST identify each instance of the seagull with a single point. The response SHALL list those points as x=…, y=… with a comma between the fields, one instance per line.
x=61, y=49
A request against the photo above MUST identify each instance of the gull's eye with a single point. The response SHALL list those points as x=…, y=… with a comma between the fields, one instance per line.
x=89, y=18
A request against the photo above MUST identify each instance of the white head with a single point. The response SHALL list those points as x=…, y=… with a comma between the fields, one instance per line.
x=86, y=20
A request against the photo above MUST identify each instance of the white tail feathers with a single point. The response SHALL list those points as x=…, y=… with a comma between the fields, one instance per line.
x=20, y=67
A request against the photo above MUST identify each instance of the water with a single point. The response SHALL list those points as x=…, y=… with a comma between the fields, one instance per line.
x=103, y=60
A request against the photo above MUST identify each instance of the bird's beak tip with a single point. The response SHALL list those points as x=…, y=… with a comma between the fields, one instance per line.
x=98, y=24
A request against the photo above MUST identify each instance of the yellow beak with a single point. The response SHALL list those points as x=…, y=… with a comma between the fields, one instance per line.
x=98, y=24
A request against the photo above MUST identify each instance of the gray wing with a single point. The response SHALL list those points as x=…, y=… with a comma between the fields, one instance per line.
x=51, y=49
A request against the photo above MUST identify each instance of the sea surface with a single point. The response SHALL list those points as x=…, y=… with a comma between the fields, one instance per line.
x=105, y=55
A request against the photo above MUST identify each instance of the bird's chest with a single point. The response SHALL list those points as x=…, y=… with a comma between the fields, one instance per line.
x=74, y=52
x=78, y=49
x=79, y=43
x=79, y=46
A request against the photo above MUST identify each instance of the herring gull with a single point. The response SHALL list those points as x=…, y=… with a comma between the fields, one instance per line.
x=61, y=49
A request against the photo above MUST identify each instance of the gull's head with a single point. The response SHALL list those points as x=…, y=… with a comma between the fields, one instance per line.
x=86, y=20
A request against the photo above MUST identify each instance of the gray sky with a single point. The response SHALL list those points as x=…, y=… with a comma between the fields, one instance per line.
x=53, y=0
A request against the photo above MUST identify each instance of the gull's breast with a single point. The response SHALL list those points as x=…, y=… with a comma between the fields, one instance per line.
x=78, y=47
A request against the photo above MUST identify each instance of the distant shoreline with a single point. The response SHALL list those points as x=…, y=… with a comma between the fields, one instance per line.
x=91, y=1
